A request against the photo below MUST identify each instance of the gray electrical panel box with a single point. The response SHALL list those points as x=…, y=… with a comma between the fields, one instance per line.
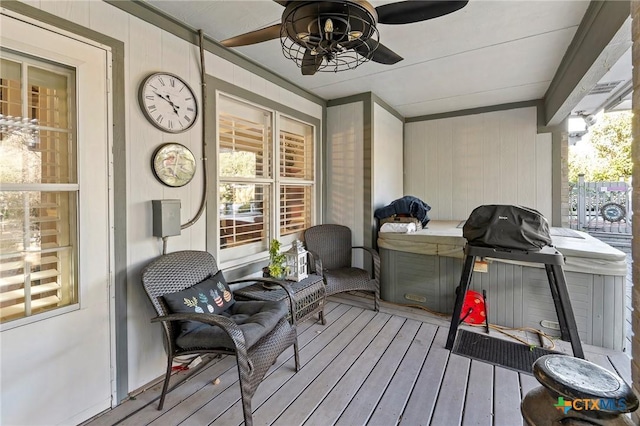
x=166, y=218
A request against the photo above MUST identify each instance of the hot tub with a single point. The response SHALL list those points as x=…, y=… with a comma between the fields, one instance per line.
x=424, y=268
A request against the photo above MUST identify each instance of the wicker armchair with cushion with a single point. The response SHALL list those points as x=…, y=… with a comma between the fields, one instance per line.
x=330, y=249
x=199, y=315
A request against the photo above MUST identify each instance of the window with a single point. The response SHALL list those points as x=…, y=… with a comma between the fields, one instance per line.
x=295, y=177
x=38, y=187
x=265, y=182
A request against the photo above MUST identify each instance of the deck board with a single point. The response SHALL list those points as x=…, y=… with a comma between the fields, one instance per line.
x=189, y=396
x=419, y=408
x=478, y=406
x=145, y=404
x=527, y=382
x=362, y=405
x=299, y=410
x=506, y=396
x=397, y=393
x=450, y=403
x=363, y=367
x=339, y=397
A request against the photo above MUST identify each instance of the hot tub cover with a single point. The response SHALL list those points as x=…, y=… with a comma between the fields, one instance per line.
x=583, y=253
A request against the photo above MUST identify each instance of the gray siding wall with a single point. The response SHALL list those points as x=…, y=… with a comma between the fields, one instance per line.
x=455, y=164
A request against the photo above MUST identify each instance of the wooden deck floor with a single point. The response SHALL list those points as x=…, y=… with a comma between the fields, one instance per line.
x=363, y=367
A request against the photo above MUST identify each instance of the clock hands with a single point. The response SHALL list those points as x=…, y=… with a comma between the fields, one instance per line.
x=168, y=99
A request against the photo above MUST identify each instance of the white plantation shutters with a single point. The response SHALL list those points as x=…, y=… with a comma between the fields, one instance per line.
x=265, y=186
x=296, y=176
x=38, y=187
x=244, y=181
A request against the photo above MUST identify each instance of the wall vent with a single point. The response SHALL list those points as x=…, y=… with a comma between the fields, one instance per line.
x=601, y=88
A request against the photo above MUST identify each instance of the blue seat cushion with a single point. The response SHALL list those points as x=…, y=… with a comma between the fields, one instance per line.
x=255, y=319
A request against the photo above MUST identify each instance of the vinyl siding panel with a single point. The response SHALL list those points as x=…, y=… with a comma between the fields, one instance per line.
x=455, y=164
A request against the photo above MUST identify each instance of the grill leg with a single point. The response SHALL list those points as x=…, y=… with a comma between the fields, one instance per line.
x=566, y=311
x=553, y=286
x=486, y=311
x=461, y=291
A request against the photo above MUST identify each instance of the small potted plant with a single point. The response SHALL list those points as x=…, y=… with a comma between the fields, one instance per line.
x=276, y=268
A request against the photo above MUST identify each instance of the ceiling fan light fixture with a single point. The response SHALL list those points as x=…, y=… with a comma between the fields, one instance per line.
x=354, y=35
x=339, y=34
x=336, y=35
x=328, y=26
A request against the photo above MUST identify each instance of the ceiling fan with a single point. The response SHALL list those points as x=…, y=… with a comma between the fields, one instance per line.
x=335, y=35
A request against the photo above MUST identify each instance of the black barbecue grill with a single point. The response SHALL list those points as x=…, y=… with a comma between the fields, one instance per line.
x=552, y=259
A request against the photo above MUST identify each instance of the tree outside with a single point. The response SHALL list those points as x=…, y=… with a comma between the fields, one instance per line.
x=604, y=154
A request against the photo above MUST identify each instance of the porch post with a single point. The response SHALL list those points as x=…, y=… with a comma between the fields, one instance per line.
x=635, y=248
x=560, y=175
x=581, y=209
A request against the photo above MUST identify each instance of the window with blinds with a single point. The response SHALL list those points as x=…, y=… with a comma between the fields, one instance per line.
x=245, y=178
x=295, y=177
x=38, y=187
x=265, y=184
x=295, y=209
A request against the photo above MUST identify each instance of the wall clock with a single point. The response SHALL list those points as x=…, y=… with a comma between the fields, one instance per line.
x=168, y=102
x=173, y=164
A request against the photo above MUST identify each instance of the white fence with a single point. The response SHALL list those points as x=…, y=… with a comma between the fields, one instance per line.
x=600, y=206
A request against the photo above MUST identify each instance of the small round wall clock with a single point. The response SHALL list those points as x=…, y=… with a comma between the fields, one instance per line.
x=168, y=102
x=173, y=164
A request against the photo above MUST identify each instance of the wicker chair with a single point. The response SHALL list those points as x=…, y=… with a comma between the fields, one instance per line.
x=178, y=271
x=330, y=250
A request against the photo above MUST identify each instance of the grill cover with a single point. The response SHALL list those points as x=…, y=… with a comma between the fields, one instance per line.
x=507, y=226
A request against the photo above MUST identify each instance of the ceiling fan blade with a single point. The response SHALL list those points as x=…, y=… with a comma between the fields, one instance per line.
x=407, y=12
x=310, y=63
x=257, y=36
x=382, y=54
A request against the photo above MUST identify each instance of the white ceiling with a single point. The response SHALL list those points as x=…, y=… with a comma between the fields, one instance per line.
x=488, y=53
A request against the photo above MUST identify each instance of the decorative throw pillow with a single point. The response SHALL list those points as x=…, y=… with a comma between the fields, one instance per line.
x=211, y=296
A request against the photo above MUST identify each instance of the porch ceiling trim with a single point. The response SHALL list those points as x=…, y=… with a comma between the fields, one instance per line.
x=601, y=39
x=538, y=103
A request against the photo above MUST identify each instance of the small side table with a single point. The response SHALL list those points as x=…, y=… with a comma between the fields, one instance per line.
x=309, y=296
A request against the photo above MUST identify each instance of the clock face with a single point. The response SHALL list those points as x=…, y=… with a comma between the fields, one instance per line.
x=173, y=164
x=168, y=102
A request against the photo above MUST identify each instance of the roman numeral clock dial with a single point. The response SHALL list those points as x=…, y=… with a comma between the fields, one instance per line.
x=168, y=102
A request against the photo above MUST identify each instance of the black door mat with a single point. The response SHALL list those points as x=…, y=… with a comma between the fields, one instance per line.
x=514, y=356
